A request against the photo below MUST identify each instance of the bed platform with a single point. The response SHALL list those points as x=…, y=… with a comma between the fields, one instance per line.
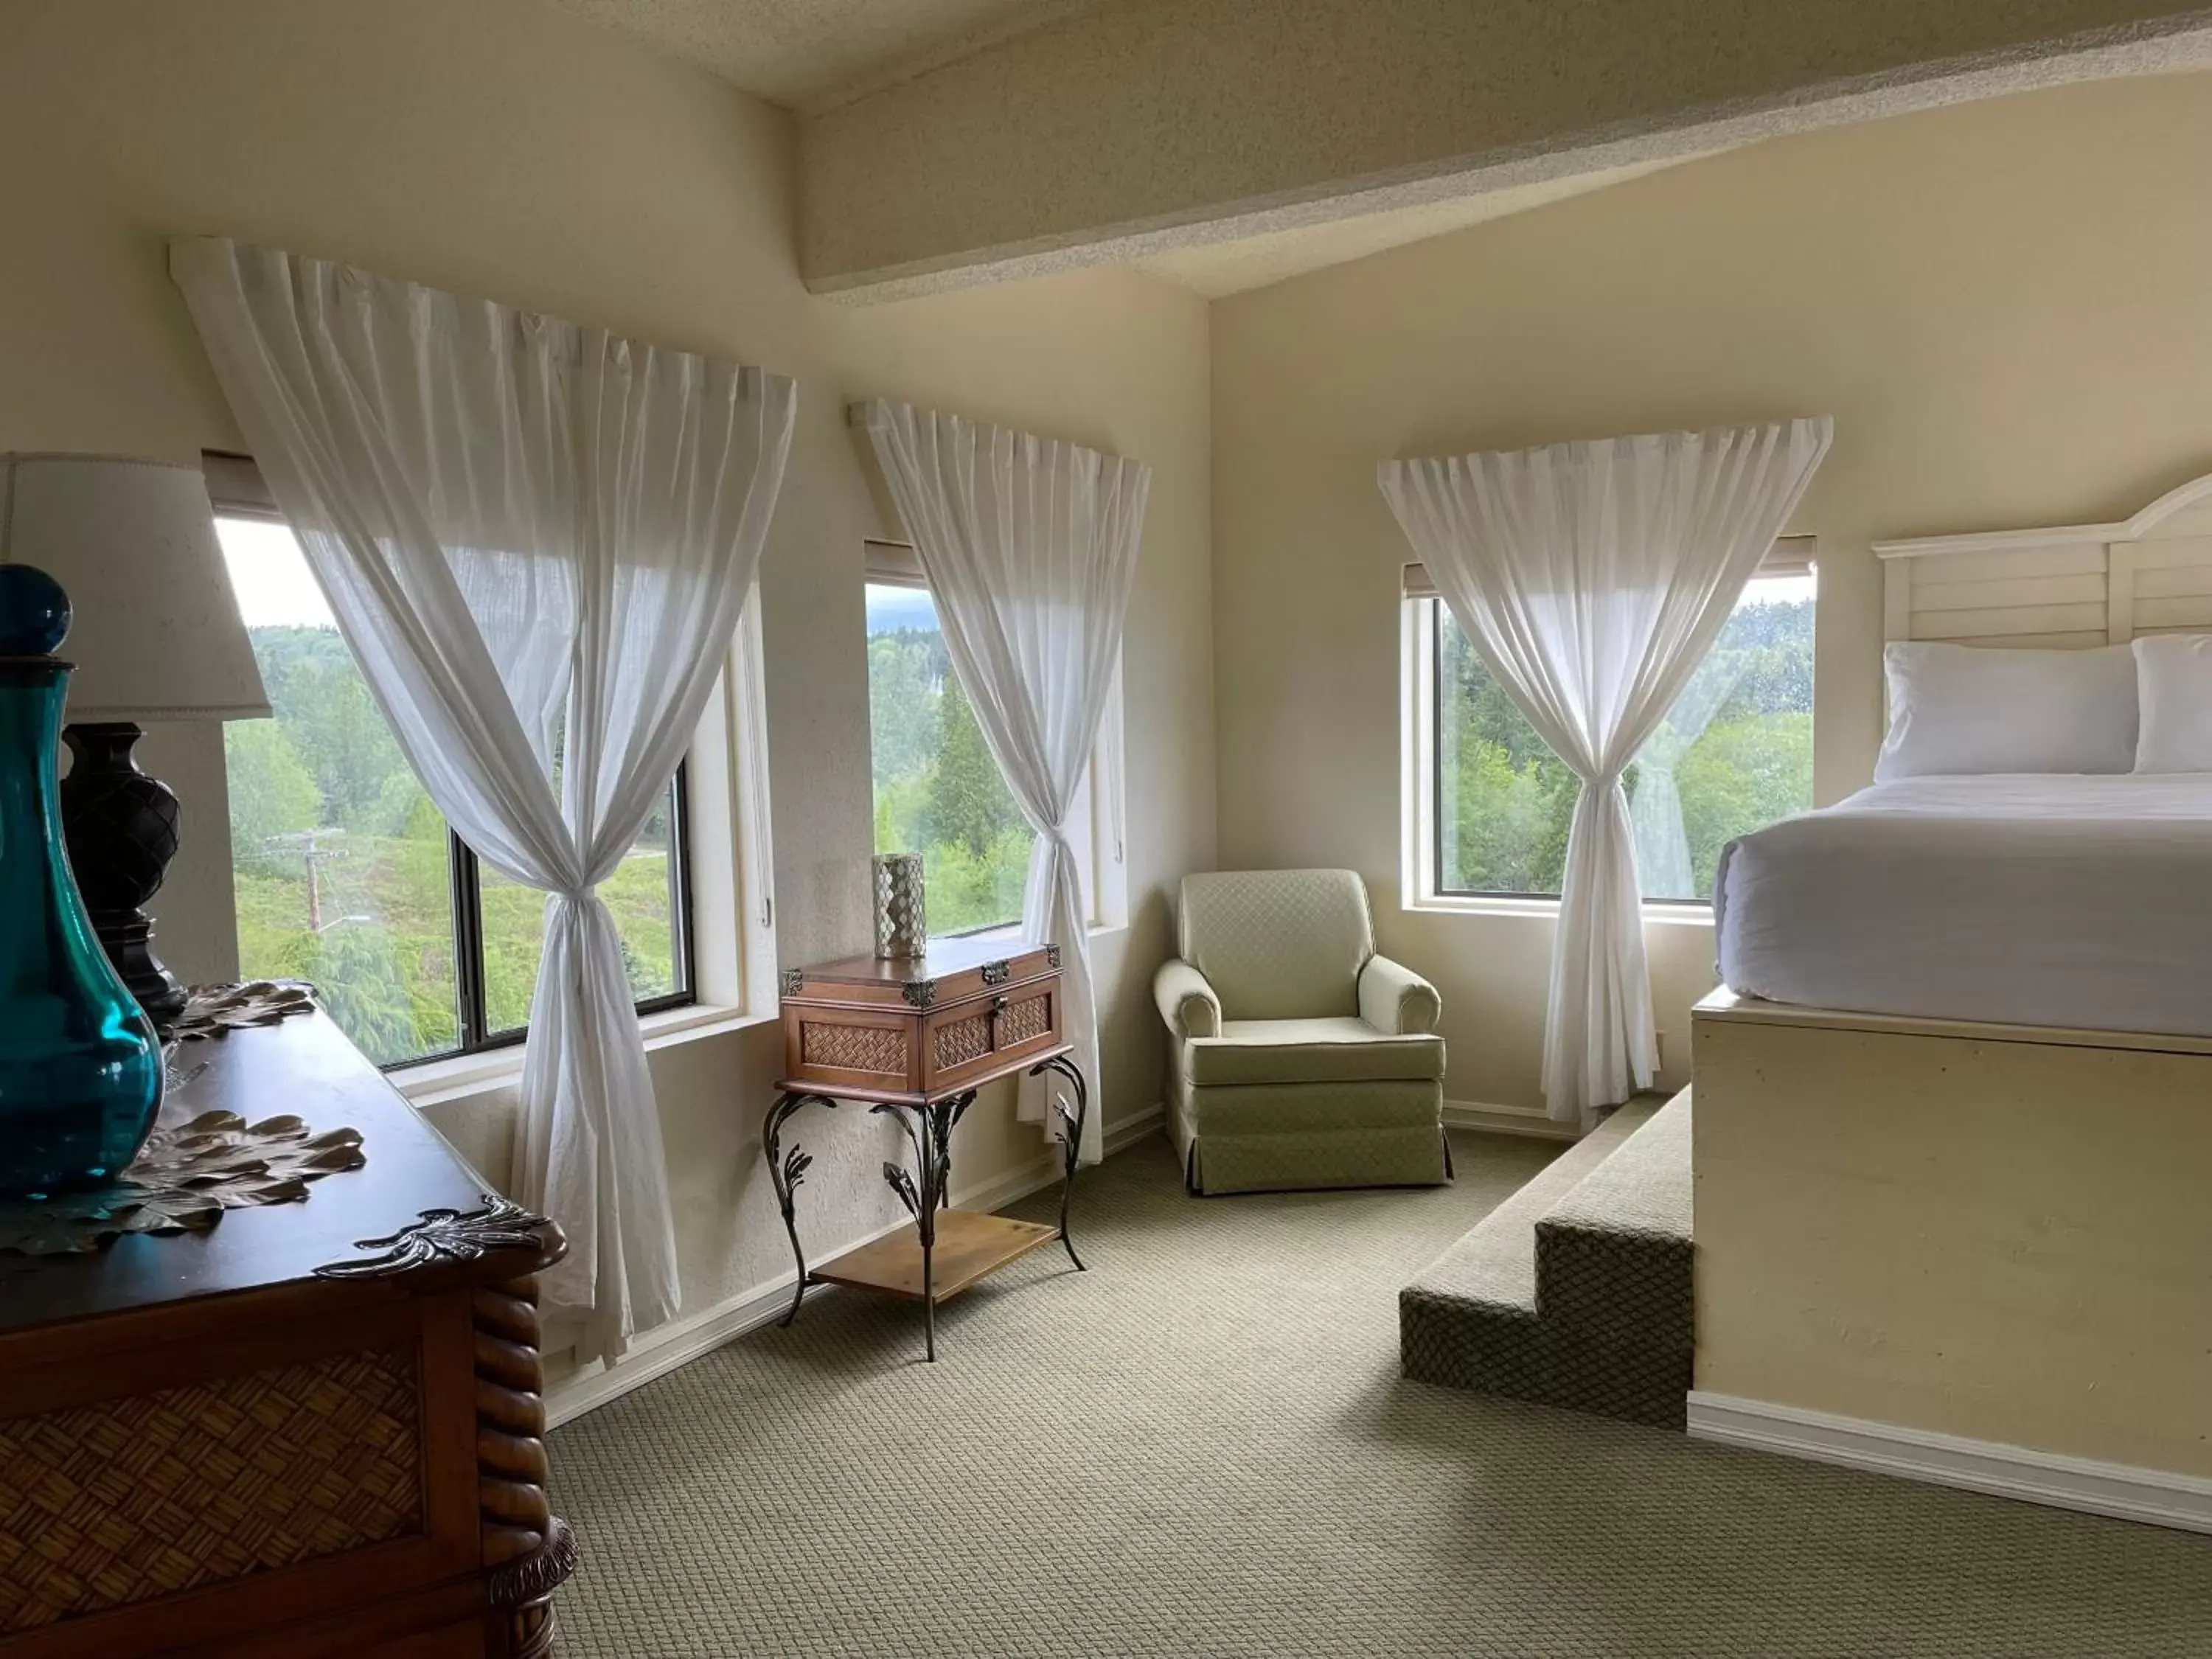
x=1991, y=1233
x=1978, y=1250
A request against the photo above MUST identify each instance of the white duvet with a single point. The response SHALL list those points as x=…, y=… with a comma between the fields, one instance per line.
x=2043, y=900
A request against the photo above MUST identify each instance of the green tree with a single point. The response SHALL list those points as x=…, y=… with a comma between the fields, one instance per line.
x=272, y=794
x=907, y=676
x=968, y=805
x=1741, y=776
x=320, y=699
x=356, y=969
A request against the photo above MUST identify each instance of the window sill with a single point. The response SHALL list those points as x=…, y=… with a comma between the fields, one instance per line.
x=436, y=1082
x=1662, y=913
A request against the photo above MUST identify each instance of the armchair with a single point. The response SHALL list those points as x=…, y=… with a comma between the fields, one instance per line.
x=1298, y=1058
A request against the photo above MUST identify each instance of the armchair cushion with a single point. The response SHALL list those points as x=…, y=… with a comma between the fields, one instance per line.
x=1278, y=944
x=1187, y=1002
x=1342, y=1049
x=1397, y=1000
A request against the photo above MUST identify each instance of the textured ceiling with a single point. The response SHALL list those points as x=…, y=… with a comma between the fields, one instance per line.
x=1223, y=268
x=807, y=53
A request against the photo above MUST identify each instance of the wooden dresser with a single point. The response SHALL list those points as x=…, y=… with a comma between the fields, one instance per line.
x=209, y=1445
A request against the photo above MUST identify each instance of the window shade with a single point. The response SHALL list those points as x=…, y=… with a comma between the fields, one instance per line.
x=1790, y=556
x=236, y=487
x=893, y=561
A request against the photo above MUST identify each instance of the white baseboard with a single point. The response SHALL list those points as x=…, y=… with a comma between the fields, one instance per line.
x=1985, y=1465
x=1507, y=1121
x=678, y=1342
x=1130, y=1130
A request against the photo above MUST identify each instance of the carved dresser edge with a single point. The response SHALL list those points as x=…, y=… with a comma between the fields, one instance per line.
x=451, y=1235
x=528, y=1551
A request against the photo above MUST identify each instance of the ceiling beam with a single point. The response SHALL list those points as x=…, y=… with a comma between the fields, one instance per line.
x=1136, y=128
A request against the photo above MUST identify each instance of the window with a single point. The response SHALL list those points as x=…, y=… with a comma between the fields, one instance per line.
x=346, y=875
x=1492, y=804
x=938, y=789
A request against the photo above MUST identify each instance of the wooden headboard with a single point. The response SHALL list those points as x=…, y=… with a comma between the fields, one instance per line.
x=2080, y=585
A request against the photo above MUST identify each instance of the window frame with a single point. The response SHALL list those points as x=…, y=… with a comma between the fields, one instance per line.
x=238, y=491
x=1422, y=612
x=1098, y=817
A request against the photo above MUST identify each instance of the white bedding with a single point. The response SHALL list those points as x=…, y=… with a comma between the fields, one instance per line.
x=2043, y=900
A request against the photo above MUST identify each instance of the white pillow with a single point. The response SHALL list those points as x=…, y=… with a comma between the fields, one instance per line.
x=1960, y=710
x=2173, y=681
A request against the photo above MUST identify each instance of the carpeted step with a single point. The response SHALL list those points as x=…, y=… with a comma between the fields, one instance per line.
x=1613, y=1256
x=1487, y=1314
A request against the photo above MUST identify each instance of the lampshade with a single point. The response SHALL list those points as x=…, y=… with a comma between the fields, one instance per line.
x=157, y=635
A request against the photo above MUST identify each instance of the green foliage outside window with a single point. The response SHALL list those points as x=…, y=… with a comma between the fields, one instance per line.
x=938, y=788
x=341, y=872
x=1505, y=802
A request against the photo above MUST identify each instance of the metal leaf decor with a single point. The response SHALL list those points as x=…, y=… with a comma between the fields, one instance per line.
x=213, y=1010
x=796, y=1164
x=903, y=1184
x=182, y=1180
x=444, y=1235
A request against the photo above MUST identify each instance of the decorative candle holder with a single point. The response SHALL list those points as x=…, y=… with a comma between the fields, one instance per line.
x=902, y=928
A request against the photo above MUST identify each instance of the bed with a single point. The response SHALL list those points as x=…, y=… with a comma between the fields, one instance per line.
x=2028, y=900
x=1953, y=1132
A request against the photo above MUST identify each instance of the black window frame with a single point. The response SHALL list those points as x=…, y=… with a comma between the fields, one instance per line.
x=464, y=880
x=464, y=873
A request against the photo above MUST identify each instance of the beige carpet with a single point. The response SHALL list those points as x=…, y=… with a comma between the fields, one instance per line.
x=1203, y=1447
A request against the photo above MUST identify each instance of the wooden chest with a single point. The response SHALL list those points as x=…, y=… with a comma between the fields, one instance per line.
x=918, y=1029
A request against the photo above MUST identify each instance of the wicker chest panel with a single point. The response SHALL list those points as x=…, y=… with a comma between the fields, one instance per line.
x=118, y=1502
x=958, y=1042
x=1026, y=1019
x=855, y=1047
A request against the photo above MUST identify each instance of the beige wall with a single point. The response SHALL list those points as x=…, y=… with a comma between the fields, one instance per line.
x=501, y=148
x=2005, y=306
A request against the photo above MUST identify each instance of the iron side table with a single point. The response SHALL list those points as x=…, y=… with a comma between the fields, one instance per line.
x=916, y=1039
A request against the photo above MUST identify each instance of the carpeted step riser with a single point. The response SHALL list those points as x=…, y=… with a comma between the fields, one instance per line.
x=1512, y=1353
x=1624, y=1288
x=1580, y=1295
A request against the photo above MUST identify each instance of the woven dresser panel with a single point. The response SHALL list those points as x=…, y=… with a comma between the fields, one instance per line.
x=959, y=1041
x=1030, y=1017
x=106, y=1504
x=854, y=1047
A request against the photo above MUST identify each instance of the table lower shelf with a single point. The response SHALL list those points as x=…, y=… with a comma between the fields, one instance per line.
x=969, y=1246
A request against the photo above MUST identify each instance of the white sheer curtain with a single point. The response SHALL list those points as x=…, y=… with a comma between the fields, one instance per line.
x=536, y=538
x=1593, y=578
x=1663, y=865
x=1030, y=548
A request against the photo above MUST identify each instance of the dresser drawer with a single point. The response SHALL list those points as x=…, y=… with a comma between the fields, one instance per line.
x=984, y=1033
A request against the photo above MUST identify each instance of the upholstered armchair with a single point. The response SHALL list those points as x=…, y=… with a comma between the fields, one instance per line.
x=1298, y=1056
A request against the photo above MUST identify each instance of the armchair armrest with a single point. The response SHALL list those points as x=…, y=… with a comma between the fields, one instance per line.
x=1187, y=1001
x=1397, y=1001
